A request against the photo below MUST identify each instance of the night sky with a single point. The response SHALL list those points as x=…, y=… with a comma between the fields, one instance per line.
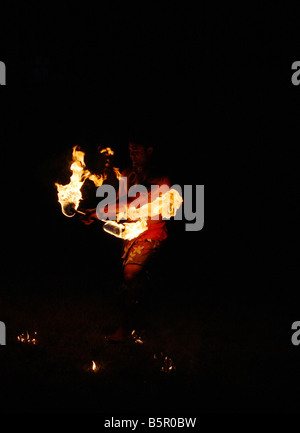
x=212, y=90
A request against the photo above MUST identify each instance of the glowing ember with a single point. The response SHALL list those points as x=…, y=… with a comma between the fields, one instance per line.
x=168, y=364
x=136, y=338
x=26, y=338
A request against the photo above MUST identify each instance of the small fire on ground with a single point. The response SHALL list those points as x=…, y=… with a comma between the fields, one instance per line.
x=167, y=362
x=27, y=338
x=136, y=338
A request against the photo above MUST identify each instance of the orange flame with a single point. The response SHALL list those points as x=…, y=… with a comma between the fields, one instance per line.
x=126, y=231
x=165, y=206
x=94, y=368
x=69, y=195
x=117, y=173
x=107, y=151
x=27, y=338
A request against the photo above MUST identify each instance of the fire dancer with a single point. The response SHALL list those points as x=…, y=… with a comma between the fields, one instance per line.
x=139, y=252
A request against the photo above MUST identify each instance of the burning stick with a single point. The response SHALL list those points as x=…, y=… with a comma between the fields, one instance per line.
x=70, y=210
x=69, y=195
x=166, y=206
x=126, y=231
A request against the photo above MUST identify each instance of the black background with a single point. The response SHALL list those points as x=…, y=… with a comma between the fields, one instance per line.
x=92, y=80
x=212, y=86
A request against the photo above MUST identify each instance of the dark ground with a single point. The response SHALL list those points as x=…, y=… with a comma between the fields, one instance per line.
x=229, y=356
x=214, y=93
x=224, y=320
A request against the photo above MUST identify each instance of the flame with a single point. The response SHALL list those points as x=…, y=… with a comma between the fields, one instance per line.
x=126, y=231
x=117, y=173
x=168, y=363
x=94, y=366
x=69, y=195
x=136, y=338
x=107, y=151
x=165, y=206
x=98, y=179
x=25, y=338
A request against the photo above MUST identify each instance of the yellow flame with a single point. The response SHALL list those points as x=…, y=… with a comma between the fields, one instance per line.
x=165, y=206
x=70, y=195
x=107, y=151
x=126, y=231
x=117, y=173
x=98, y=179
x=26, y=338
